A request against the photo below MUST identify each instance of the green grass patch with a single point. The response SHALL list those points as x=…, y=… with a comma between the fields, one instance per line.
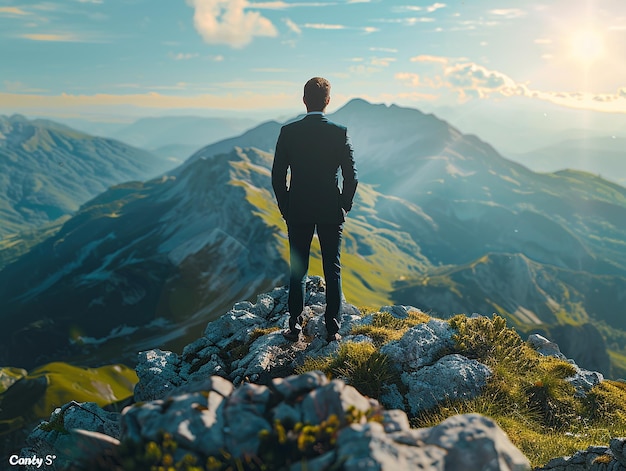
x=529, y=397
x=50, y=386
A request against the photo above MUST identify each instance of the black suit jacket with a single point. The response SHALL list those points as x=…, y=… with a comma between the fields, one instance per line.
x=314, y=149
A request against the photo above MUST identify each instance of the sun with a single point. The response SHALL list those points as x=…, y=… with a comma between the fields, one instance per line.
x=586, y=46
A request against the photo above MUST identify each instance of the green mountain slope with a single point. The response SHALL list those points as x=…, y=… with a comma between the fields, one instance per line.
x=48, y=170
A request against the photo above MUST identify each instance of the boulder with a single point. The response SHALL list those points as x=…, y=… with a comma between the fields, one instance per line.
x=583, y=380
x=469, y=441
x=452, y=377
x=53, y=438
x=420, y=345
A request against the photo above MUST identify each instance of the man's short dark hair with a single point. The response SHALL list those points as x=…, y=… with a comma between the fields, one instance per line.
x=317, y=93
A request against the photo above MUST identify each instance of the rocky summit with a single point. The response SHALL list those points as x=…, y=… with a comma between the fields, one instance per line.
x=243, y=397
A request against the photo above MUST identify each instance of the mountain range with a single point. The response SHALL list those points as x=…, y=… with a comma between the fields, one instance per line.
x=47, y=170
x=171, y=137
x=441, y=220
x=603, y=156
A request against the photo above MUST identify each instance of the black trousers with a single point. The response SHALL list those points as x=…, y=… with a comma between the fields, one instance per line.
x=300, y=237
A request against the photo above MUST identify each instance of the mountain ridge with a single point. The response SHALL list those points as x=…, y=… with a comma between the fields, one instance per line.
x=48, y=170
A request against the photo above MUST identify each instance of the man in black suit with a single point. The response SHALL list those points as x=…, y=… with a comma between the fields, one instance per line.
x=314, y=149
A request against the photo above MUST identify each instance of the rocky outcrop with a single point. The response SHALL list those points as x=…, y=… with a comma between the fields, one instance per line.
x=212, y=418
x=245, y=345
x=594, y=458
x=583, y=380
x=232, y=390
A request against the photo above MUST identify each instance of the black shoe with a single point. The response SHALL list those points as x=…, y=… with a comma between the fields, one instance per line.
x=333, y=337
x=291, y=335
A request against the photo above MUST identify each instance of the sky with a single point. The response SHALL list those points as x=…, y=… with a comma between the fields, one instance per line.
x=95, y=58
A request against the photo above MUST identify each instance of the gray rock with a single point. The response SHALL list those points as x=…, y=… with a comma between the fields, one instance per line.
x=297, y=385
x=90, y=446
x=391, y=397
x=395, y=421
x=452, y=377
x=217, y=384
x=618, y=448
x=234, y=326
x=53, y=437
x=334, y=398
x=244, y=414
x=545, y=346
x=195, y=419
x=367, y=447
x=158, y=373
x=210, y=417
x=264, y=306
x=584, y=380
x=267, y=354
x=420, y=345
x=399, y=311
x=471, y=442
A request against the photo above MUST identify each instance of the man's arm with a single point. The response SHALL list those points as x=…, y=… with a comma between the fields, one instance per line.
x=348, y=170
x=279, y=175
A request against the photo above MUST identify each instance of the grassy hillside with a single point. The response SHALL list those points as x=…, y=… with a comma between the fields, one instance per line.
x=527, y=395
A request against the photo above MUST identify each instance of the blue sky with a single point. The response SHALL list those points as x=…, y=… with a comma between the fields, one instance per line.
x=64, y=58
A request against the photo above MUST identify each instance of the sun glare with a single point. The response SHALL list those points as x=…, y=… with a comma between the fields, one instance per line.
x=587, y=46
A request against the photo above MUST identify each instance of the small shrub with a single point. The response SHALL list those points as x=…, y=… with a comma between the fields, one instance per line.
x=605, y=403
x=370, y=375
x=385, y=328
x=490, y=341
x=553, y=399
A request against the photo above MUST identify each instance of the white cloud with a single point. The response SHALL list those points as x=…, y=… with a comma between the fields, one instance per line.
x=408, y=78
x=474, y=79
x=183, y=56
x=228, y=22
x=50, y=37
x=279, y=5
x=323, y=26
x=543, y=41
x=384, y=49
x=382, y=61
x=408, y=21
x=427, y=58
x=508, y=13
x=13, y=11
x=470, y=80
x=404, y=8
x=435, y=6
x=292, y=26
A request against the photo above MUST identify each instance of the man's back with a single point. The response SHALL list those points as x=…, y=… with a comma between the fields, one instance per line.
x=314, y=149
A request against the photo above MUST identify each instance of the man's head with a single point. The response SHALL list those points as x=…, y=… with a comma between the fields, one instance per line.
x=316, y=94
